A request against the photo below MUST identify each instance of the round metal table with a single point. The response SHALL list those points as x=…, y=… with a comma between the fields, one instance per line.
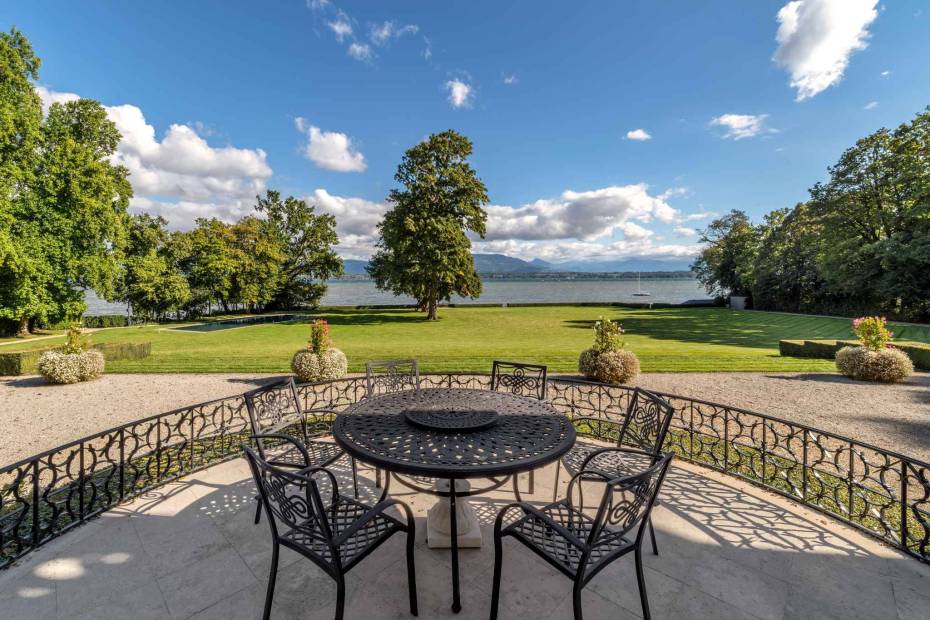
x=453, y=434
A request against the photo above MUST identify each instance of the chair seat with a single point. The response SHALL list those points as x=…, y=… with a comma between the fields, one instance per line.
x=613, y=464
x=548, y=542
x=343, y=514
x=321, y=453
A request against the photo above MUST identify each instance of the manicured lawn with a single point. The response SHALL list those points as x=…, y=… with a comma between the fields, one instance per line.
x=467, y=339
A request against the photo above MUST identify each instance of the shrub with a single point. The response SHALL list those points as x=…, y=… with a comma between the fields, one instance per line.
x=888, y=365
x=608, y=336
x=319, y=336
x=872, y=332
x=113, y=351
x=75, y=341
x=310, y=366
x=586, y=363
x=616, y=367
x=59, y=367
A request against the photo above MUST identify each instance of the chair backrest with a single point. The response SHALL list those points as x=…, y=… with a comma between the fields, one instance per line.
x=646, y=423
x=387, y=376
x=520, y=379
x=627, y=502
x=292, y=500
x=273, y=408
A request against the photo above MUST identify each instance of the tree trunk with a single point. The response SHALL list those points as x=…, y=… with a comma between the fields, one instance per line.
x=432, y=309
x=23, y=330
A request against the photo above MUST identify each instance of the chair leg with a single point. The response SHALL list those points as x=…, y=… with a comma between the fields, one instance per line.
x=532, y=481
x=516, y=487
x=576, y=600
x=641, y=582
x=258, y=509
x=340, y=596
x=652, y=534
x=555, y=487
x=354, y=476
x=411, y=570
x=496, y=588
x=269, y=595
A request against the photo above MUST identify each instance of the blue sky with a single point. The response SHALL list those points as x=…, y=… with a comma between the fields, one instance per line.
x=219, y=100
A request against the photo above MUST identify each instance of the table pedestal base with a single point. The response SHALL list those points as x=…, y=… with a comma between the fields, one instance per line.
x=438, y=523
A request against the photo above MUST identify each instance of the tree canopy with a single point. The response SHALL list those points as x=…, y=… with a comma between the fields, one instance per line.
x=423, y=248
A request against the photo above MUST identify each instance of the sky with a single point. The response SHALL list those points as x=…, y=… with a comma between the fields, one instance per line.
x=603, y=130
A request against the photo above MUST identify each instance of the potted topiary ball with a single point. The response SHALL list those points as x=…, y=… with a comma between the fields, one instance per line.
x=72, y=363
x=607, y=361
x=320, y=361
x=875, y=359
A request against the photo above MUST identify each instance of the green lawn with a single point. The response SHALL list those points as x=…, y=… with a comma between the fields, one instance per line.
x=467, y=339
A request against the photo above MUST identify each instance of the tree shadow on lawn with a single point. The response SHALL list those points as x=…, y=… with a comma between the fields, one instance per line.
x=708, y=326
x=371, y=317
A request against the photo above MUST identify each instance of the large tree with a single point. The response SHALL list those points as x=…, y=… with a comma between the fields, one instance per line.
x=62, y=202
x=725, y=264
x=260, y=257
x=209, y=260
x=152, y=284
x=307, y=239
x=424, y=250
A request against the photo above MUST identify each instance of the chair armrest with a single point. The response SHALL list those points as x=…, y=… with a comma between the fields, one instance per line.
x=370, y=514
x=297, y=444
x=528, y=508
x=590, y=457
x=581, y=475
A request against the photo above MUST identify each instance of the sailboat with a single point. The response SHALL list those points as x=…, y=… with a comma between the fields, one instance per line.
x=639, y=286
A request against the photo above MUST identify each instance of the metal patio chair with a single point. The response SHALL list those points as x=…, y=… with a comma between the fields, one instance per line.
x=579, y=546
x=388, y=376
x=336, y=534
x=644, y=426
x=523, y=380
x=275, y=410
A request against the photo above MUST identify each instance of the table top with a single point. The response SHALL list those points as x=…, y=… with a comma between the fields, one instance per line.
x=527, y=434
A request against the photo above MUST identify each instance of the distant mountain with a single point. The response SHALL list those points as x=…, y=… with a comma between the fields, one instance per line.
x=501, y=263
x=354, y=267
x=630, y=264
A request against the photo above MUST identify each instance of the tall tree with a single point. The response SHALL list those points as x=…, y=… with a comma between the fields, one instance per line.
x=209, y=261
x=424, y=250
x=725, y=264
x=152, y=283
x=260, y=258
x=308, y=239
x=63, y=202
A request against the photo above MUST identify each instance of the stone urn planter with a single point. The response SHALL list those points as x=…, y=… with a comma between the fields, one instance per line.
x=607, y=361
x=875, y=359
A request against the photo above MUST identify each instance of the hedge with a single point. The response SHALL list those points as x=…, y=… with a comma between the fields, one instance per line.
x=105, y=320
x=919, y=352
x=25, y=362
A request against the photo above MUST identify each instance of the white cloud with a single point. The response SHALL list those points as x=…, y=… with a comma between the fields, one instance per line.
x=588, y=215
x=360, y=51
x=816, y=39
x=696, y=217
x=202, y=180
x=885, y=73
x=341, y=26
x=640, y=135
x=870, y=105
x=741, y=126
x=460, y=93
x=317, y=5
x=510, y=80
x=385, y=31
x=683, y=231
x=49, y=97
x=330, y=149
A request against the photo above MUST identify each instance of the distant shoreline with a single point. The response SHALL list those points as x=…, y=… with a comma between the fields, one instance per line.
x=557, y=276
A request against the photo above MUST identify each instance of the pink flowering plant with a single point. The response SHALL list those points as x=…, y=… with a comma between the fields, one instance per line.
x=872, y=332
x=319, y=337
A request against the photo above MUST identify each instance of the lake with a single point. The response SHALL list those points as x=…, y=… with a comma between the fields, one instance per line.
x=364, y=293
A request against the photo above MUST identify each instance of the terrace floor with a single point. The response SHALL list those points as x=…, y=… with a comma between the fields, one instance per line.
x=727, y=550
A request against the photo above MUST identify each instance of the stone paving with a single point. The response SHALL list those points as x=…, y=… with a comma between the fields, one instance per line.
x=727, y=550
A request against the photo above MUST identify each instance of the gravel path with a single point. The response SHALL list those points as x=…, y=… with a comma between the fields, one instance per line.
x=35, y=416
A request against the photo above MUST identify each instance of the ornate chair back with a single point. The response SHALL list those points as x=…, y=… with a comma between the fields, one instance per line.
x=627, y=503
x=292, y=501
x=646, y=424
x=387, y=376
x=519, y=379
x=275, y=408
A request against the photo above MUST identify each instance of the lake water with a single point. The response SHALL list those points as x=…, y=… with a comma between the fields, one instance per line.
x=364, y=293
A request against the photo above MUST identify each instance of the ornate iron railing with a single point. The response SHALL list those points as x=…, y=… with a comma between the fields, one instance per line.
x=881, y=492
